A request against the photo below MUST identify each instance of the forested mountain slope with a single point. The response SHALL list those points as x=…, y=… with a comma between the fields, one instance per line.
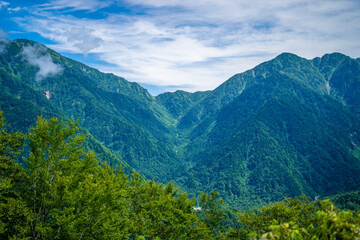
x=121, y=115
x=286, y=127
x=289, y=126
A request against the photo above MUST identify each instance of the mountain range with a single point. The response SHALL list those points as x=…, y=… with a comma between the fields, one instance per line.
x=287, y=127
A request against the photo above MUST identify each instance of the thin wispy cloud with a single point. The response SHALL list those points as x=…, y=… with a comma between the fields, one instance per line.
x=3, y=4
x=75, y=5
x=15, y=9
x=195, y=44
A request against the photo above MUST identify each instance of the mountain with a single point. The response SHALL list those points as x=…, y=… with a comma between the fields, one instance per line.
x=179, y=102
x=287, y=127
x=291, y=129
x=122, y=116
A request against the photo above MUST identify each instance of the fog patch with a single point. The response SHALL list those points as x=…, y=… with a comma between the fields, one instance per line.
x=3, y=43
x=3, y=34
x=2, y=48
x=36, y=55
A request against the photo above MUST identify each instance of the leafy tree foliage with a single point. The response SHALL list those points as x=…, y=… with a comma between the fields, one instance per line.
x=63, y=193
x=214, y=216
x=347, y=201
x=160, y=211
x=298, y=218
x=327, y=223
x=15, y=214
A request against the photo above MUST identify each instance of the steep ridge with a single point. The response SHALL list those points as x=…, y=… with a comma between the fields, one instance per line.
x=22, y=105
x=286, y=63
x=257, y=86
x=286, y=148
x=343, y=76
x=289, y=131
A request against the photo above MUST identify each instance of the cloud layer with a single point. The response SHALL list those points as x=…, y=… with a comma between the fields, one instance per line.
x=36, y=56
x=195, y=44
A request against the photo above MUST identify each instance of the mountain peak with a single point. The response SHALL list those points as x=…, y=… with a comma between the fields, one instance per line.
x=286, y=57
x=333, y=58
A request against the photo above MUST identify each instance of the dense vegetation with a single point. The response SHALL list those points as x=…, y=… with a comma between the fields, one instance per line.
x=348, y=200
x=63, y=193
x=288, y=127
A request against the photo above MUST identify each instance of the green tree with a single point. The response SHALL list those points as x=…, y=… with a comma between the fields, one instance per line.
x=70, y=195
x=214, y=215
x=160, y=211
x=296, y=210
x=14, y=213
x=326, y=223
x=297, y=218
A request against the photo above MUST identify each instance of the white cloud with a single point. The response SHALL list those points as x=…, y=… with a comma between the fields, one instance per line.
x=74, y=5
x=16, y=9
x=199, y=44
x=37, y=56
x=82, y=39
x=3, y=4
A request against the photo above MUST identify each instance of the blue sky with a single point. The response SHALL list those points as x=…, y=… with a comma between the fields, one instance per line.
x=167, y=45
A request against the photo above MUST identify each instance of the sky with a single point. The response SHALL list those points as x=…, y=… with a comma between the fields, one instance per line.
x=168, y=45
